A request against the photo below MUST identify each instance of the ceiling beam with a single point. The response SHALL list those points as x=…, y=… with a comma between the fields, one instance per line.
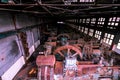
x=28, y=7
x=47, y=10
x=23, y=11
x=61, y=5
x=52, y=1
x=58, y=8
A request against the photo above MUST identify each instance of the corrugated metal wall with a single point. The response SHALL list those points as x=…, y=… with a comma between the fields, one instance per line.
x=12, y=46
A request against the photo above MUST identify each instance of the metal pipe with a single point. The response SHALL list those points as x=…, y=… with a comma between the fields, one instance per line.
x=45, y=74
x=39, y=74
x=51, y=73
x=60, y=5
x=24, y=11
x=47, y=10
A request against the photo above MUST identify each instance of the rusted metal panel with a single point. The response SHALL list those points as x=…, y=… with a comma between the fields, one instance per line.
x=29, y=38
x=32, y=36
x=6, y=23
x=14, y=69
x=9, y=52
x=48, y=60
x=45, y=73
x=51, y=43
x=23, y=20
x=35, y=34
x=59, y=67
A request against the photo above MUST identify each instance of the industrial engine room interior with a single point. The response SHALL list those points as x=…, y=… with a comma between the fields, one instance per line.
x=59, y=40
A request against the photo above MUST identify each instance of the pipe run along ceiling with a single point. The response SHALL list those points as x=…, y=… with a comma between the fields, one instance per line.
x=62, y=8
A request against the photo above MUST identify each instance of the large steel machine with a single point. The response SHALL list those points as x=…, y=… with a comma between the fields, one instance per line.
x=66, y=61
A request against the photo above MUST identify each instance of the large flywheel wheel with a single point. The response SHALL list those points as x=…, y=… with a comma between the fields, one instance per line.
x=71, y=51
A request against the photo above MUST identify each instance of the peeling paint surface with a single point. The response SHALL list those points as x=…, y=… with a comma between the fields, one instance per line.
x=9, y=53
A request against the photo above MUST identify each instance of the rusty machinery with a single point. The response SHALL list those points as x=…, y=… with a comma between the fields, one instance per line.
x=45, y=64
x=63, y=35
x=69, y=66
x=45, y=67
x=70, y=59
x=61, y=38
